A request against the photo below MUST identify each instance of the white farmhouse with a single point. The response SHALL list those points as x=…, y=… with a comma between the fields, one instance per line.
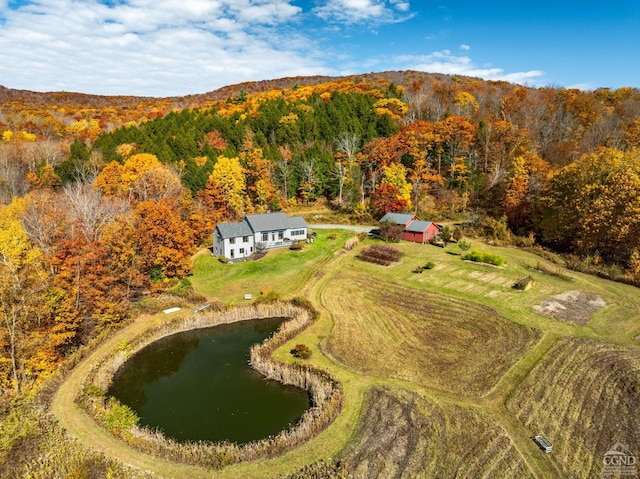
x=255, y=233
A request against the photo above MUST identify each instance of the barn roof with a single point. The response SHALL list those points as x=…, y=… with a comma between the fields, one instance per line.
x=419, y=226
x=397, y=218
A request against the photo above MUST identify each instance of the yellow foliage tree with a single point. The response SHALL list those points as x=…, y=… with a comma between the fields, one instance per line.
x=141, y=177
x=593, y=204
x=126, y=149
x=466, y=104
x=396, y=174
x=226, y=193
x=22, y=283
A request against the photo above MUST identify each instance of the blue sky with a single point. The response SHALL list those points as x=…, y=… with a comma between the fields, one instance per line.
x=178, y=47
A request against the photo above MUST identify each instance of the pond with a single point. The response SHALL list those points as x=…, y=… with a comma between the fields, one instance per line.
x=197, y=385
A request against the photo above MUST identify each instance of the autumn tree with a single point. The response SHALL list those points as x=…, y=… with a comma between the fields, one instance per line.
x=593, y=205
x=258, y=176
x=387, y=199
x=396, y=175
x=524, y=185
x=498, y=143
x=226, y=191
x=164, y=238
x=45, y=177
x=454, y=136
x=86, y=292
x=23, y=281
x=214, y=140
x=121, y=243
x=142, y=177
x=384, y=151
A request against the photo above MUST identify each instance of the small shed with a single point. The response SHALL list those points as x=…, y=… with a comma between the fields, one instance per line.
x=544, y=443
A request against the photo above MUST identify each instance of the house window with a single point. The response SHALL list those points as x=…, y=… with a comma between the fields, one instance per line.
x=245, y=239
x=265, y=236
x=232, y=241
x=297, y=233
x=280, y=235
x=241, y=250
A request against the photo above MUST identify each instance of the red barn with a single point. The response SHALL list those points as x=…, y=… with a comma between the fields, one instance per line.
x=421, y=231
x=414, y=229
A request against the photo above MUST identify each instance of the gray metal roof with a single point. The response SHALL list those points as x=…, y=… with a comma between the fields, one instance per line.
x=234, y=230
x=419, y=226
x=397, y=218
x=296, y=222
x=274, y=222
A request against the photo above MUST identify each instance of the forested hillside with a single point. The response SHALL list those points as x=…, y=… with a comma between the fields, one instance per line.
x=105, y=199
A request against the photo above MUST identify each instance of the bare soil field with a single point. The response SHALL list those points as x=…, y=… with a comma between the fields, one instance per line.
x=571, y=306
x=584, y=396
x=427, y=338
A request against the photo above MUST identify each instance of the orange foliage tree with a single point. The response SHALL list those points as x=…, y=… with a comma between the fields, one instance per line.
x=165, y=239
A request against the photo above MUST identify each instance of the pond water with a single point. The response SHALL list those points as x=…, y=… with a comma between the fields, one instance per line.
x=198, y=385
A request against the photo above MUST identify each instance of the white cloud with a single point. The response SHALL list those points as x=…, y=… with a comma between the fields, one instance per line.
x=401, y=5
x=445, y=62
x=589, y=86
x=464, y=47
x=178, y=47
x=359, y=11
x=151, y=47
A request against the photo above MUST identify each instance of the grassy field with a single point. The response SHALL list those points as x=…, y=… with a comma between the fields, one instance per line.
x=403, y=434
x=422, y=337
x=449, y=372
x=583, y=394
x=281, y=271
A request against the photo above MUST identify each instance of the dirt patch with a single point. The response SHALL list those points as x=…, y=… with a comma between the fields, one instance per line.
x=571, y=306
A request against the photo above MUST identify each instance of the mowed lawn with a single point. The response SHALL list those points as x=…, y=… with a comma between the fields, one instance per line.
x=423, y=337
x=618, y=321
x=282, y=271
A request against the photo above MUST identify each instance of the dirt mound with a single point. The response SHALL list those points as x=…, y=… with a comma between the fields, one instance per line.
x=571, y=306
